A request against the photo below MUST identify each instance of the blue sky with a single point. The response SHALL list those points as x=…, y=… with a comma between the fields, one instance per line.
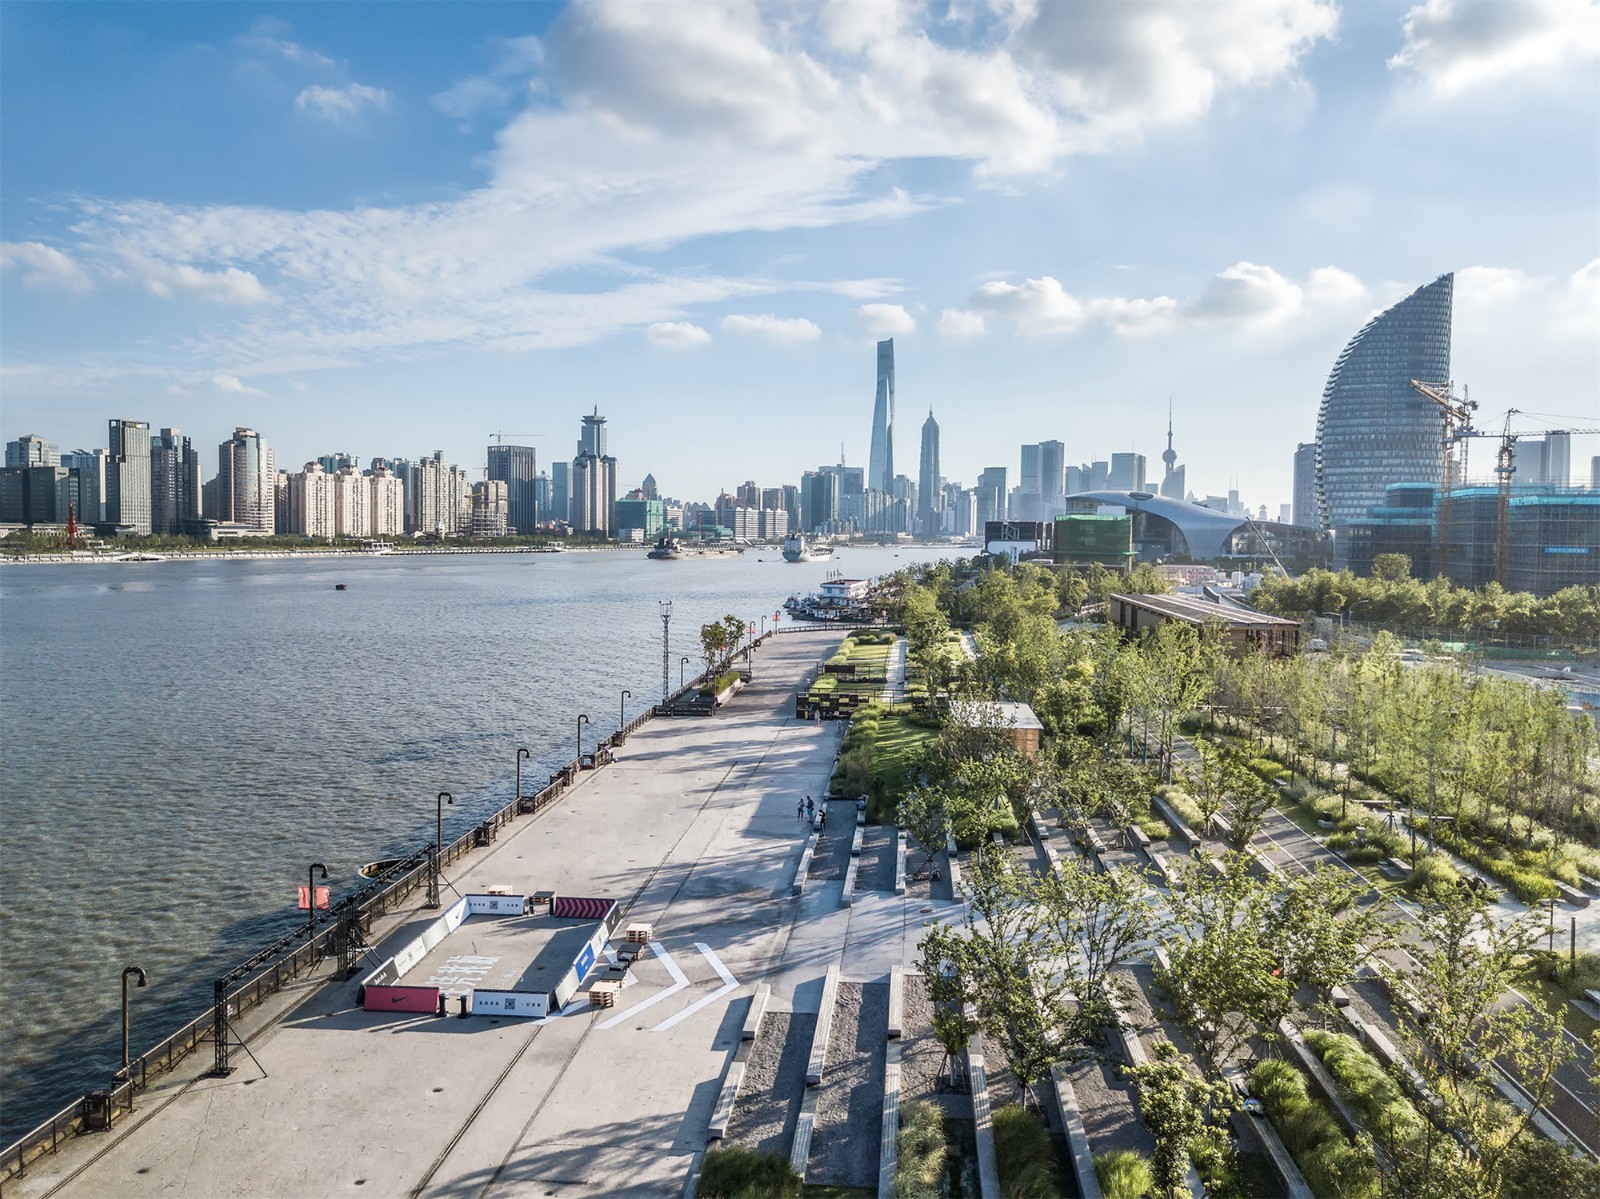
x=393, y=228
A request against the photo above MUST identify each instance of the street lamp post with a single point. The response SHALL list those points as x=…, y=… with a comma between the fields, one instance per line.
x=763, y=624
x=582, y=720
x=682, y=662
x=622, y=713
x=521, y=753
x=438, y=847
x=666, y=646
x=129, y=972
x=311, y=907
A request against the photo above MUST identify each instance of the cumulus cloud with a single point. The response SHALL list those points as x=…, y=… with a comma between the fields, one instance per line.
x=44, y=266
x=885, y=320
x=234, y=385
x=1488, y=286
x=676, y=334
x=659, y=124
x=1245, y=295
x=340, y=103
x=1453, y=45
x=954, y=322
x=784, y=330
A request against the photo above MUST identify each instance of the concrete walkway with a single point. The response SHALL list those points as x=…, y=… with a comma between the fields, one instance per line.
x=894, y=680
x=694, y=827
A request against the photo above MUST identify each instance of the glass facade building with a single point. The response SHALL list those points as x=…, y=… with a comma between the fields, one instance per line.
x=1373, y=430
x=880, y=464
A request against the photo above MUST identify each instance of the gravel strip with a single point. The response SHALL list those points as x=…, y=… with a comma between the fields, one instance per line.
x=876, y=872
x=920, y=1053
x=832, y=856
x=845, y=1147
x=764, y=1118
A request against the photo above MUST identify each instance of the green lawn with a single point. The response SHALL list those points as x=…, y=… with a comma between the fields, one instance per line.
x=1534, y=982
x=899, y=742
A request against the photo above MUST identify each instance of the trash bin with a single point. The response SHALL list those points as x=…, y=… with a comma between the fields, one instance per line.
x=97, y=1110
x=484, y=833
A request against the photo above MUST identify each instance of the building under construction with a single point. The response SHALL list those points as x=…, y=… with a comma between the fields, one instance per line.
x=1551, y=535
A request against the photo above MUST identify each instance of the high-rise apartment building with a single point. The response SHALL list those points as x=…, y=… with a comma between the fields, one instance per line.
x=594, y=492
x=1099, y=476
x=491, y=508
x=388, y=496
x=1546, y=459
x=174, y=482
x=928, y=497
x=880, y=462
x=1305, y=485
x=309, y=503
x=819, y=500
x=560, y=504
x=352, y=503
x=1372, y=428
x=245, y=488
x=1127, y=472
x=89, y=468
x=517, y=467
x=128, y=475
x=1077, y=479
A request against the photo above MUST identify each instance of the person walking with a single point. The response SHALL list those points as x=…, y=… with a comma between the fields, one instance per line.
x=824, y=818
x=800, y=808
x=811, y=807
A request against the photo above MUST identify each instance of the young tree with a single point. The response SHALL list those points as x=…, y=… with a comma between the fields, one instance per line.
x=1320, y=933
x=1097, y=920
x=1185, y=1114
x=950, y=991
x=924, y=815
x=1248, y=802
x=1208, y=782
x=1226, y=978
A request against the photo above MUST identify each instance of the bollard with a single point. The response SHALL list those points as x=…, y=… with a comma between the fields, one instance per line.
x=441, y=1010
x=464, y=1012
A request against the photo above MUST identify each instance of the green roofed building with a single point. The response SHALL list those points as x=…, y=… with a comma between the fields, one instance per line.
x=1083, y=538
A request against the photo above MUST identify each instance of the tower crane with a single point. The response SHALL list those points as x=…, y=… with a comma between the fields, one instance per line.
x=1456, y=415
x=500, y=439
x=1505, y=466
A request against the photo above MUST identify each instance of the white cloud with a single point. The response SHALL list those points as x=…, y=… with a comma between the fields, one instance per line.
x=784, y=330
x=954, y=322
x=234, y=385
x=44, y=266
x=266, y=36
x=1245, y=295
x=676, y=334
x=1250, y=295
x=652, y=129
x=1580, y=311
x=340, y=103
x=1453, y=45
x=885, y=319
x=1489, y=286
x=227, y=286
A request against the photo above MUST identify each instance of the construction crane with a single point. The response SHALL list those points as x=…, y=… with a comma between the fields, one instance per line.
x=1505, y=466
x=1456, y=415
x=500, y=438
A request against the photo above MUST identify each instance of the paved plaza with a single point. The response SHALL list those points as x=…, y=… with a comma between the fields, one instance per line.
x=694, y=829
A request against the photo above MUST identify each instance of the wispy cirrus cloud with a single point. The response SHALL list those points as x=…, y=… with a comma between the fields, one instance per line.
x=783, y=330
x=341, y=103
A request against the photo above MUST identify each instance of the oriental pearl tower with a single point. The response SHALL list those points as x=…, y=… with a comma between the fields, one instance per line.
x=1172, y=482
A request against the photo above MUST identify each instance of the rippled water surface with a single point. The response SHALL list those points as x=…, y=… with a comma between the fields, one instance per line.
x=182, y=739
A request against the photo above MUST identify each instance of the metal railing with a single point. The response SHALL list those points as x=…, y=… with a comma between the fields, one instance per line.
x=266, y=972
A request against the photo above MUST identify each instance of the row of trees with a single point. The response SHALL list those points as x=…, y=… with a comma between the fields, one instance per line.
x=1391, y=596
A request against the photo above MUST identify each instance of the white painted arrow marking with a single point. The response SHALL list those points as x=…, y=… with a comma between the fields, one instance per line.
x=728, y=984
x=679, y=982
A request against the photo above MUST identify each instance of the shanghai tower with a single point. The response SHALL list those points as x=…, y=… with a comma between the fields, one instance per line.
x=1373, y=429
x=880, y=465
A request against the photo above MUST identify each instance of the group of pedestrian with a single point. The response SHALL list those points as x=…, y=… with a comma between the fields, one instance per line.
x=812, y=812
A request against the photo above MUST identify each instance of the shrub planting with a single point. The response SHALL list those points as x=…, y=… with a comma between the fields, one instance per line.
x=919, y=1151
x=733, y=1172
x=1333, y=1167
x=1123, y=1174
x=1026, y=1155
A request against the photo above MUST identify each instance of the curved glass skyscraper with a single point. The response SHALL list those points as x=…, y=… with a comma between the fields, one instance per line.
x=1372, y=428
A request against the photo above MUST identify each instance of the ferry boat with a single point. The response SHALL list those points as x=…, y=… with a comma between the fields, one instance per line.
x=672, y=549
x=797, y=549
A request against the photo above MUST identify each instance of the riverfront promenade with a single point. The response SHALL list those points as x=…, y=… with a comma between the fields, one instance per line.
x=695, y=827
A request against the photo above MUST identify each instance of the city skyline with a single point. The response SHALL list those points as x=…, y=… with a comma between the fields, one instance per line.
x=1064, y=221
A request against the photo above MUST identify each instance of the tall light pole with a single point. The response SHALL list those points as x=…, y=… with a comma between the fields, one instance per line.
x=763, y=624
x=682, y=662
x=438, y=847
x=666, y=647
x=311, y=907
x=129, y=972
x=582, y=720
x=622, y=713
x=521, y=753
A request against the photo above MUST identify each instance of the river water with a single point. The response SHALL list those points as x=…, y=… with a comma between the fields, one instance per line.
x=182, y=739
